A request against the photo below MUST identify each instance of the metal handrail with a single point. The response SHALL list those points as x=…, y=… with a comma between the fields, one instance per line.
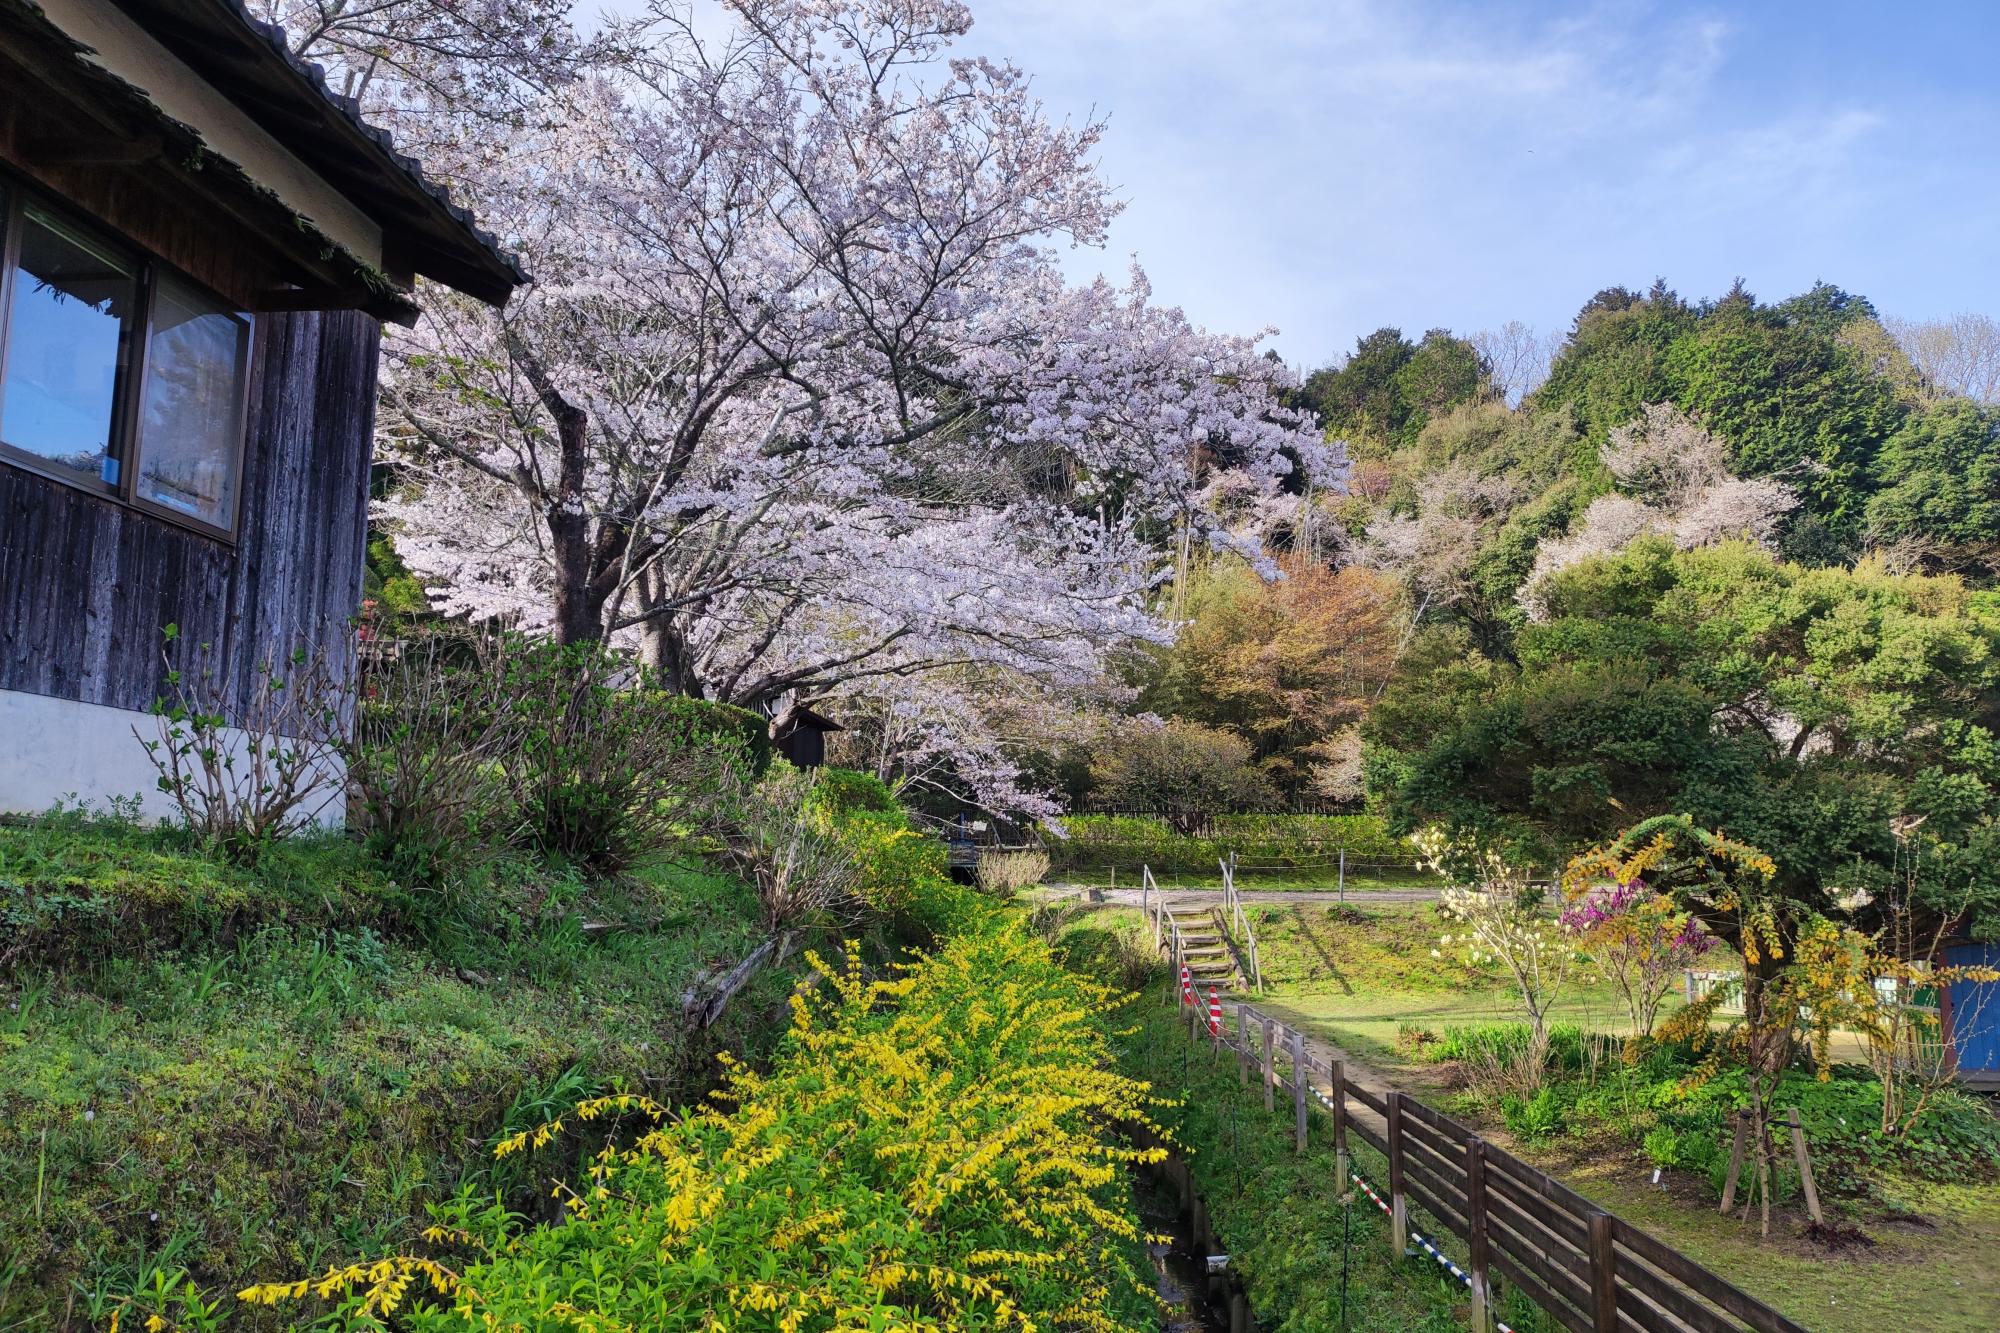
x=1232, y=911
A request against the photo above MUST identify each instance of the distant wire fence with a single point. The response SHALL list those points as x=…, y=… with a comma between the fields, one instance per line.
x=1315, y=864
x=1590, y=1270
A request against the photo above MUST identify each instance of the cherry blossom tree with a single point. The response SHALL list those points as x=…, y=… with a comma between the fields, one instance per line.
x=1673, y=478
x=962, y=733
x=798, y=397
x=425, y=68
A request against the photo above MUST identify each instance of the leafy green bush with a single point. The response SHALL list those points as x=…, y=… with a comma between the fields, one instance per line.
x=844, y=791
x=1183, y=768
x=602, y=774
x=435, y=725
x=1536, y=1117
x=739, y=728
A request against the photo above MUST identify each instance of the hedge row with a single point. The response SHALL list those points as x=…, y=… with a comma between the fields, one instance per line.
x=1096, y=841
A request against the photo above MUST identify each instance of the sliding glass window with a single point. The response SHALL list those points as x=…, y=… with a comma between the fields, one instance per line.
x=117, y=374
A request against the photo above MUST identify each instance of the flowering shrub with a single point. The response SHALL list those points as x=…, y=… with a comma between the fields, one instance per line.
x=932, y=1151
x=1493, y=902
x=1638, y=938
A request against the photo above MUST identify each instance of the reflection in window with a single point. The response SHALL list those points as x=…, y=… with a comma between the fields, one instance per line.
x=67, y=339
x=190, y=414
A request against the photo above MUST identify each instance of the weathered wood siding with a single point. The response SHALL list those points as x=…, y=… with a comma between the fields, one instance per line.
x=86, y=585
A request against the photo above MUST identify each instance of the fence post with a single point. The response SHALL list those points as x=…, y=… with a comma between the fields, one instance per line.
x=1270, y=1069
x=1399, y=1205
x=1242, y=1046
x=1299, y=1087
x=1341, y=1167
x=1603, y=1273
x=1475, y=1233
x=1343, y=874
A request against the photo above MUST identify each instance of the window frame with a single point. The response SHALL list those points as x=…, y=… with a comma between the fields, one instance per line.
x=125, y=444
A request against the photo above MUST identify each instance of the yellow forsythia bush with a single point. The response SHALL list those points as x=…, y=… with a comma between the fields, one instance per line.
x=935, y=1151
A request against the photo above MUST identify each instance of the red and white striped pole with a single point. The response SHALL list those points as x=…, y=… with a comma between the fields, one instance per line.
x=1214, y=1014
x=1187, y=985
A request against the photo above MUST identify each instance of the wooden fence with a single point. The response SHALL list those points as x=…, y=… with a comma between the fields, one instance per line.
x=1591, y=1270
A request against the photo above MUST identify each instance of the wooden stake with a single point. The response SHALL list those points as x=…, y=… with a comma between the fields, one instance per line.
x=1735, y=1163
x=1805, y=1166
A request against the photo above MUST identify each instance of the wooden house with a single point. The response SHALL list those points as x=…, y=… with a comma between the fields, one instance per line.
x=198, y=241
x=801, y=737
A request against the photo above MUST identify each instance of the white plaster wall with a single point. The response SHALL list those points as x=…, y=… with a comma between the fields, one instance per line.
x=125, y=49
x=61, y=750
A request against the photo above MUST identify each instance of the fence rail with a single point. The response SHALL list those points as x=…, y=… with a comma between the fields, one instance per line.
x=1592, y=1271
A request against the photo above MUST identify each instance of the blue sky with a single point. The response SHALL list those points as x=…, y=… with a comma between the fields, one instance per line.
x=1333, y=167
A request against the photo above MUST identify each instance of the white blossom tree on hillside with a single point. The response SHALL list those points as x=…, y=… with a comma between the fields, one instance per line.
x=1674, y=481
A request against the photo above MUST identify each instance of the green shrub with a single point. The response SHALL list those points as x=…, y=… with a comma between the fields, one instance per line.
x=1184, y=768
x=894, y=861
x=436, y=724
x=844, y=791
x=1314, y=841
x=1539, y=1116
x=745, y=731
x=603, y=774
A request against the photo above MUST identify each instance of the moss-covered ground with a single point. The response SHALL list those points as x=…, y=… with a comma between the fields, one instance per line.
x=221, y=1075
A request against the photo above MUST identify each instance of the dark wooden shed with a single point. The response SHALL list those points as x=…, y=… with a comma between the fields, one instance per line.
x=801, y=737
x=198, y=239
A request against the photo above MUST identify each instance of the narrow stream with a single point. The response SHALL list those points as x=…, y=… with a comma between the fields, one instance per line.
x=1196, y=1303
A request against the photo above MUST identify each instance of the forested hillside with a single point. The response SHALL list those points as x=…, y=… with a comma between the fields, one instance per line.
x=1723, y=558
